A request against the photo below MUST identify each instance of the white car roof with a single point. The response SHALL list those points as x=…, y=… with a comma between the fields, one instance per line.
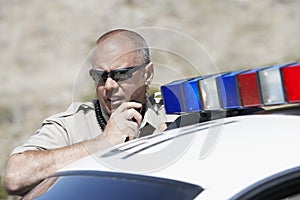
x=223, y=156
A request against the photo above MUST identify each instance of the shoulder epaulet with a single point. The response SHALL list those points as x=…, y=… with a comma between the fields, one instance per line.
x=74, y=108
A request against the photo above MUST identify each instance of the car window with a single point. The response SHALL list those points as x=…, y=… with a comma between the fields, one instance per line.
x=293, y=197
x=283, y=185
x=109, y=185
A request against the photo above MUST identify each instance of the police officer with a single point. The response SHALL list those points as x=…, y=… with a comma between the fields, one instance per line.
x=122, y=71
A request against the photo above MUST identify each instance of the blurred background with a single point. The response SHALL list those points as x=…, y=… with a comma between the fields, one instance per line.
x=44, y=45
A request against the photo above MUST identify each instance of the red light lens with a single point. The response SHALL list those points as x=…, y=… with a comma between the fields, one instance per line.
x=249, y=89
x=291, y=78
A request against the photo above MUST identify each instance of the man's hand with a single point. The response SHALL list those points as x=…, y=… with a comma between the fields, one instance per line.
x=124, y=122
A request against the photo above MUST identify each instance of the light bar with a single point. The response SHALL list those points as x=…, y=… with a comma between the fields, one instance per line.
x=273, y=85
x=291, y=79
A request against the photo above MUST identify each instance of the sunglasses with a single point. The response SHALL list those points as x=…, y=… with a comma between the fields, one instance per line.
x=117, y=75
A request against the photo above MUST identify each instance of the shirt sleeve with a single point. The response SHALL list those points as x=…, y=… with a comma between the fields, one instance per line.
x=76, y=124
x=51, y=135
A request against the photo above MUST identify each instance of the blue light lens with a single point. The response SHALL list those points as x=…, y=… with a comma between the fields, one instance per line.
x=192, y=95
x=229, y=90
x=173, y=97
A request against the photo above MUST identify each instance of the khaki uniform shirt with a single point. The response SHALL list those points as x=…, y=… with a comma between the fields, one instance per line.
x=79, y=123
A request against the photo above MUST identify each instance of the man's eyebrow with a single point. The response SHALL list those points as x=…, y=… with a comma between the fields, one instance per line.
x=96, y=66
x=118, y=67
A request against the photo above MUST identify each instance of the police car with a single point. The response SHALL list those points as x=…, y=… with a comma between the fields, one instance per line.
x=237, y=137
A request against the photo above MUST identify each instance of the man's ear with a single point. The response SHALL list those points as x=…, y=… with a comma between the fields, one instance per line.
x=149, y=73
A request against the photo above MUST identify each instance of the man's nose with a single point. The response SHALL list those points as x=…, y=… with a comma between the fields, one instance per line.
x=110, y=84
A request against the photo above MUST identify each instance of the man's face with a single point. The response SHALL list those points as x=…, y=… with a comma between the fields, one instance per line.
x=113, y=55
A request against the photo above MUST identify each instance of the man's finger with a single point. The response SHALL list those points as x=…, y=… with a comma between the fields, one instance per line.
x=127, y=105
x=134, y=116
x=132, y=130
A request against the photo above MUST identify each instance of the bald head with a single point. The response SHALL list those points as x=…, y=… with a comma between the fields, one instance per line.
x=127, y=38
x=115, y=52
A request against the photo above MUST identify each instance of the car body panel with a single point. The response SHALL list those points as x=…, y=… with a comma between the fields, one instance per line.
x=238, y=152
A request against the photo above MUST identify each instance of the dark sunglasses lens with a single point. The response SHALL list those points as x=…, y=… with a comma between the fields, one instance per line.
x=104, y=76
x=95, y=75
x=117, y=75
x=121, y=75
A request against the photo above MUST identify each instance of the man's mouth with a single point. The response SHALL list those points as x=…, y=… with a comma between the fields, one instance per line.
x=115, y=100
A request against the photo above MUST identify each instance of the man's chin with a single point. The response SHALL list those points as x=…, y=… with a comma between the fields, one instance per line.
x=111, y=107
x=110, y=110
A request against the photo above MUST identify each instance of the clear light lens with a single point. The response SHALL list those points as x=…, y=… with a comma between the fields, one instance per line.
x=271, y=86
x=210, y=94
x=192, y=95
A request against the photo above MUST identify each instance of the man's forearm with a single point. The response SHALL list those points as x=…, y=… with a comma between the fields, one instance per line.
x=25, y=170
